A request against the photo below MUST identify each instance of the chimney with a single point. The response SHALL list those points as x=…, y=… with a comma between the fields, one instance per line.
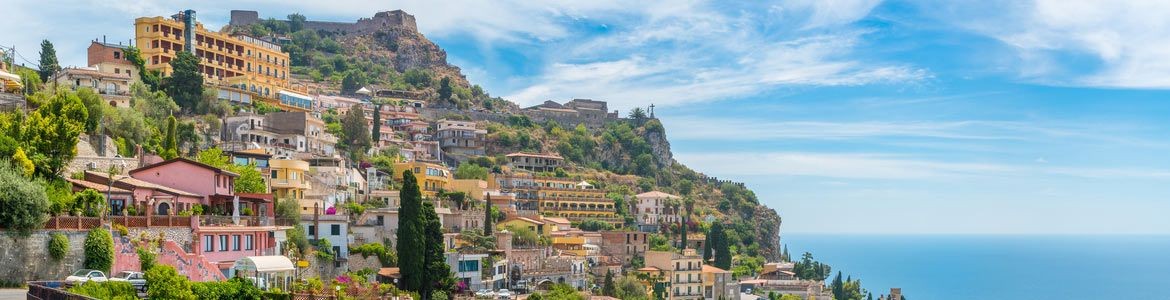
x=103, y=39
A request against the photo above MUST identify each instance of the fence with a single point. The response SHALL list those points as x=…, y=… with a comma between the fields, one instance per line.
x=73, y=222
x=50, y=290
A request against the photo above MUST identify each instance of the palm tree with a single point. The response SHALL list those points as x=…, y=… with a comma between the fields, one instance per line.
x=637, y=113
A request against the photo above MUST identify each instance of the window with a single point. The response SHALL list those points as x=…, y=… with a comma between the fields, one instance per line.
x=207, y=243
x=248, y=242
x=223, y=242
x=469, y=266
x=312, y=230
x=273, y=174
x=335, y=229
x=236, y=242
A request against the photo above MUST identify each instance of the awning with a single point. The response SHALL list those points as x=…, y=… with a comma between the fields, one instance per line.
x=264, y=264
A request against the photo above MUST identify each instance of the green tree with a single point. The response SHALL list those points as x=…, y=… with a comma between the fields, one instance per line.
x=594, y=225
x=720, y=246
x=186, y=82
x=30, y=79
x=90, y=202
x=99, y=250
x=437, y=274
x=49, y=134
x=49, y=65
x=353, y=81
x=445, y=89
x=171, y=142
x=607, y=286
x=637, y=113
x=296, y=22
x=488, y=228
x=250, y=180
x=165, y=283
x=410, y=234
x=149, y=78
x=376, y=130
x=154, y=105
x=94, y=106
x=471, y=171
x=355, y=131
x=707, y=245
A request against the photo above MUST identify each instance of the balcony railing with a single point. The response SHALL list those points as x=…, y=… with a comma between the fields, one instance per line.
x=229, y=221
x=73, y=222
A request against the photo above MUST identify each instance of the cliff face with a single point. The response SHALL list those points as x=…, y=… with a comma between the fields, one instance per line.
x=404, y=48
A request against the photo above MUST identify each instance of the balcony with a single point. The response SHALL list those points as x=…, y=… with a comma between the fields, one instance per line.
x=290, y=184
x=229, y=221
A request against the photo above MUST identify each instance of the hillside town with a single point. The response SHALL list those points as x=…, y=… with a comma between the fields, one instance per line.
x=192, y=163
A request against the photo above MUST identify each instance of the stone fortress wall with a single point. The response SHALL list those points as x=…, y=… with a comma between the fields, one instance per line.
x=396, y=19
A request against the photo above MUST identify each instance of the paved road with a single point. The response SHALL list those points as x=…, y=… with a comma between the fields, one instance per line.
x=13, y=294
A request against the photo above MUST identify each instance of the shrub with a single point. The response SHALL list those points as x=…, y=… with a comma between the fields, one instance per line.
x=99, y=250
x=110, y=290
x=164, y=283
x=58, y=246
x=121, y=229
x=146, y=259
x=23, y=203
x=90, y=202
x=236, y=288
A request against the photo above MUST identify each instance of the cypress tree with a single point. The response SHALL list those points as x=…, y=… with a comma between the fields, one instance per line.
x=720, y=246
x=410, y=234
x=171, y=143
x=838, y=287
x=488, y=229
x=707, y=247
x=375, y=130
x=436, y=273
x=607, y=287
x=48, y=64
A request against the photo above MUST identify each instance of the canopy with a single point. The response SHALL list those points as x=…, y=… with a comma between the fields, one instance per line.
x=264, y=264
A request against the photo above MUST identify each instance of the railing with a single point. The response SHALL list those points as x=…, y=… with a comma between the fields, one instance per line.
x=130, y=221
x=230, y=221
x=45, y=290
x=73, y=222
x=287, y=222
x=170, y=221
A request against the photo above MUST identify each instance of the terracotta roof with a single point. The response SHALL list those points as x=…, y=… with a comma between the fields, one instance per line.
x=180, y=159
x=143, y=184
x=710, y=269
x=96, y=186
x=92, y=73
x=525, y=220
x=389, y=272
x=656, y=194
x=557, y=220
x=551, y=156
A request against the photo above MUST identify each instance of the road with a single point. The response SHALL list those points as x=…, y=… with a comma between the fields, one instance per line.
x=13, y=294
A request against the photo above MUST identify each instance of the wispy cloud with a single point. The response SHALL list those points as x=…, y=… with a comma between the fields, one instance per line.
x=1126, y=40
x=890, y=167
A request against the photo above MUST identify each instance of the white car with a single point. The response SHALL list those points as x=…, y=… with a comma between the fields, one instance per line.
x=504, y=294
x=485, y=293
x=135, y=279
x=85, y=275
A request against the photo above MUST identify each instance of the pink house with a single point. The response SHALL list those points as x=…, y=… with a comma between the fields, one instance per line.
x=161, y=200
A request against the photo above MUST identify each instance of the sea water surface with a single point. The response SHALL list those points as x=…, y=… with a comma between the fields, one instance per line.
x=998, y=266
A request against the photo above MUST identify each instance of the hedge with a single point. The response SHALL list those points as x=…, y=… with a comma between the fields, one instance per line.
x=58, y=246
x=99, y=250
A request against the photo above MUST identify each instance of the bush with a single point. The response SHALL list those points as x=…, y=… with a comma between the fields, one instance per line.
x=23, y=203
x=164, y=283
x=58, y=246
x=110, y=290
x=236, y=288
x=121, y=229
x=273, y=295
x=146, y=259
x=99, y=250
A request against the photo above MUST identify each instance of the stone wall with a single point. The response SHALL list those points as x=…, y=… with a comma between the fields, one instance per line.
x=27, y=258
x=181, y=236
x=381, y=20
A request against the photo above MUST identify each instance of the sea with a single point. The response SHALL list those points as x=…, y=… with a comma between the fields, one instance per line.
x=997, y=266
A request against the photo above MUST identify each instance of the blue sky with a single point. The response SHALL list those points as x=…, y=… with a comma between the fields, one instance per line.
x=858, y=116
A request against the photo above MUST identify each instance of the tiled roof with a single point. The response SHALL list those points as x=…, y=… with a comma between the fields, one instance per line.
x=710, y=269
x=97, y=186
x=552, y=156
x=656, y=194
x=143, y=184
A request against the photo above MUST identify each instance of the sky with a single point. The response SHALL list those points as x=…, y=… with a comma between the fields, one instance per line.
x=852, y=116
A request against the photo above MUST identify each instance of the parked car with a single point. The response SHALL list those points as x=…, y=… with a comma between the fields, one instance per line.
x=485, y=293
x=85, y=275
x=134, y=278
x=504, y=294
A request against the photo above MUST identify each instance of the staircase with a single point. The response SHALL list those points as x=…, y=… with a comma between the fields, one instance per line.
x=195, y=267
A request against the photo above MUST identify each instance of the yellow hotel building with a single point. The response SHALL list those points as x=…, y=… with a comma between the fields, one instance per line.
x=239, y=61
x=431, y=178
x=559, y=197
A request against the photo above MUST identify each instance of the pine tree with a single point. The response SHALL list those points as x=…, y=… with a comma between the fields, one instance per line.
x=785, y=256
x=171, y=143
x=376, y=129
x=49, y=65
x=436, y=274
x=410, y=234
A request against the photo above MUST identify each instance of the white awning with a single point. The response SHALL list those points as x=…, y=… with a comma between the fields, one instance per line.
x=9, y=76
x=264, y=264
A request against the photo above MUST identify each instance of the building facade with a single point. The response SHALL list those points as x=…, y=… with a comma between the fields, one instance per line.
x=460, y=137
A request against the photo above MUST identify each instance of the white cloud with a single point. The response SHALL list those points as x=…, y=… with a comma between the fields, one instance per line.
x=1130, y=40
